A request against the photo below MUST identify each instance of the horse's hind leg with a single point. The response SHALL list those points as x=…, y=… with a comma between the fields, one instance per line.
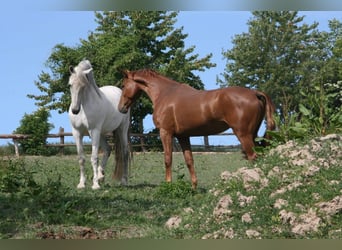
x=126, y=156
x=121, y=153
x=247, y=144
x=106, y=153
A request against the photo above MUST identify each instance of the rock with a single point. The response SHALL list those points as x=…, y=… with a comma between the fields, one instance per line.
x=188, y=210
x=306, y=223
x=244, y=200
x=331, y=207
x=173, y=222
x=250, y=176
x=252, y=234
x=280, y=203
x=287, y=217
x=221, y=208
x=331, y=137
x=246, y=218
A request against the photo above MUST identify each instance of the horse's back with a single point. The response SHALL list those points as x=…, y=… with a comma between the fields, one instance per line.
x=196, y=112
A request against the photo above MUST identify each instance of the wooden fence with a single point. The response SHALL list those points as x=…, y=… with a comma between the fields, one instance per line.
x=16, y=138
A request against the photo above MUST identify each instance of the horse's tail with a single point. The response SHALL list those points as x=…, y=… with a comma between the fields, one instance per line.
x=122, y=156
x=269, y=110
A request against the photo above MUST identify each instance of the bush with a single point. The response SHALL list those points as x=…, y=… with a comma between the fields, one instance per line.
x=320, y=113
x=14, y=177
x=180, y=189
x=37, y=126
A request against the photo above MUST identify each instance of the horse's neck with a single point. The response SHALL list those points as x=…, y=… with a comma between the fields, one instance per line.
x=93, y=92
x=158, y=88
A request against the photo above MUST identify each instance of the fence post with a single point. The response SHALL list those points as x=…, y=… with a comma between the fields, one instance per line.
x=142, y=142
x=61, y=140
x=206, y=143
x=16, y=147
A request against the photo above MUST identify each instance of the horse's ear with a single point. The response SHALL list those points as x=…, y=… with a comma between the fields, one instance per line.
x=124, y=72
x=71, y=69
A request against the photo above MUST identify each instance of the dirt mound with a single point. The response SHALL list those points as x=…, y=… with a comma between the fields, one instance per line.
x=294, y=196
x=304, y=155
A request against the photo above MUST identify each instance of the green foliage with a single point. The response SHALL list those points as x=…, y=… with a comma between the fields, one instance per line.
x=274, y=56
x=14, y=177
x=44, y=201
x=319, y=114
x=285, y=57
x=123, y=40
x=179, y=189
x=298, y=66
x=35, y=125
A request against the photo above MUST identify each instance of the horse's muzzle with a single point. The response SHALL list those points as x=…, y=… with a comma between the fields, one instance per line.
x=123, y=109
x=75, y=111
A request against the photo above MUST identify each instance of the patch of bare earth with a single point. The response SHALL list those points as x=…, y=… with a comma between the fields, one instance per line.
x=80, y=232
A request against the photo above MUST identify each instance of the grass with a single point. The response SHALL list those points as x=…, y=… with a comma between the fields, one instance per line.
x=39, y=199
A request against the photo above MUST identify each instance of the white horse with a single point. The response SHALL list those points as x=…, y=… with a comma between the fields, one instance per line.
x=94, y=111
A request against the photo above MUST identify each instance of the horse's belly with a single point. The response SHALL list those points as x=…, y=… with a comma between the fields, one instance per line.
x=209, y=128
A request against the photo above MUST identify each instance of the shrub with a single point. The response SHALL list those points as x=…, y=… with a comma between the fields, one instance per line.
x=14, y=177
x=178, y=189
x=37, y=126
x=320, y=113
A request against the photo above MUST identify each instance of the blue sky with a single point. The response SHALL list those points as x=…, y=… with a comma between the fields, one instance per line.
x=28, y=37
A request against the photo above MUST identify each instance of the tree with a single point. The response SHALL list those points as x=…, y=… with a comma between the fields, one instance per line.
x=279, y=55
x=123, y=40
x=297, y=65
x=331, y=73
x=37, y=126
x=321, y=109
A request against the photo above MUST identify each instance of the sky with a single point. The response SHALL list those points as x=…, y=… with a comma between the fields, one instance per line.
x=28, y=37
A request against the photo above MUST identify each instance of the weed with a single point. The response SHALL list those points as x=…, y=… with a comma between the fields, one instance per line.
x=180, y=189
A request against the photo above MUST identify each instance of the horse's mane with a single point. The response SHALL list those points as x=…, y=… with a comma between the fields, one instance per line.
x=85, y=65
x=146, y=73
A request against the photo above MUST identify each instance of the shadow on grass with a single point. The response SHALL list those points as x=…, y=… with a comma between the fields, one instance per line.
x=136, y=205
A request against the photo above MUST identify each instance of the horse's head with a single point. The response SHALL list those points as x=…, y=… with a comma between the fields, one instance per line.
x=78, y=80
x=131, y=90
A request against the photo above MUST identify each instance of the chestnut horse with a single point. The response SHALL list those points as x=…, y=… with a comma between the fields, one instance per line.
x=181, y=111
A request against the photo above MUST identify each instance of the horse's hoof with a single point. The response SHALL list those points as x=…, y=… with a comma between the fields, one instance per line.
x=95, y=187
x=124, y=182
x=80, y=186
x=100, y=177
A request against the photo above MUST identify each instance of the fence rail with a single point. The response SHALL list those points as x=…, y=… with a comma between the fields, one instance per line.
x=16, y=138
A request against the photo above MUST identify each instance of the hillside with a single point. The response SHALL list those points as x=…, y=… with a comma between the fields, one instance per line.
x=293, y=192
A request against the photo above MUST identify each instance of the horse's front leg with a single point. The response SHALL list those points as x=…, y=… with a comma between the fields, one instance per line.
x=106, y=153
x=95, y=141
x=186, y=148
x=166, y=139
x=78, y=137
